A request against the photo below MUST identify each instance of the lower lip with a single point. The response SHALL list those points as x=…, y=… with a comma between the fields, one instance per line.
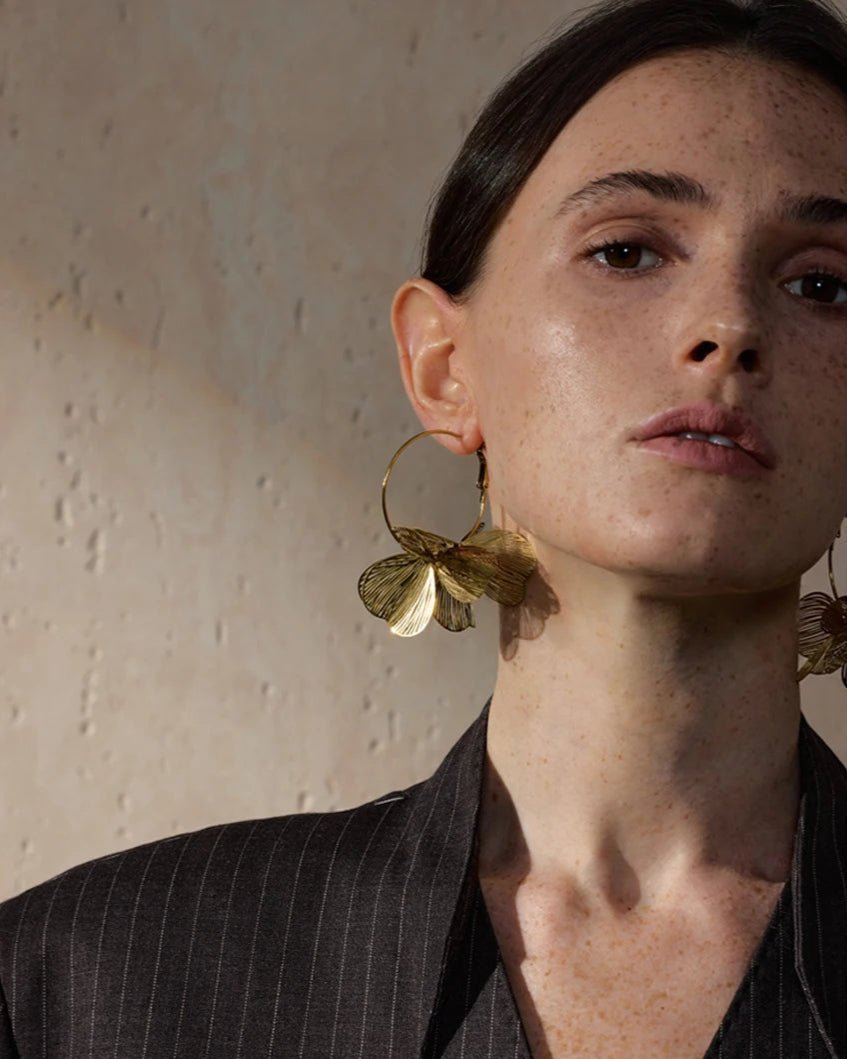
x=718, y=459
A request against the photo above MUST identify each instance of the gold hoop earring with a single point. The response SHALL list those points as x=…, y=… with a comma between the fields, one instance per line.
x=823, y=629
x=437, y=577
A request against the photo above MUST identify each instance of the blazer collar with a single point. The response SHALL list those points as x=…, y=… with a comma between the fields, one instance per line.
x=818, y=873
x=819, y=888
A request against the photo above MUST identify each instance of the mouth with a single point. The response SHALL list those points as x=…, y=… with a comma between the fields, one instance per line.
x=723, y=437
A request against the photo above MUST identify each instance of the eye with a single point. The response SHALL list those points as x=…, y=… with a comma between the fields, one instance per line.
x=622, y=256
x=827, y=289
x=818, y=285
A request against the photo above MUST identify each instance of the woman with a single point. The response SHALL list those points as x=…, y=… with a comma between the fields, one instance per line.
x=640, y=847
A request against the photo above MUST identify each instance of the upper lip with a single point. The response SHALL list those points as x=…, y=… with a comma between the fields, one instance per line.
x=708, y=418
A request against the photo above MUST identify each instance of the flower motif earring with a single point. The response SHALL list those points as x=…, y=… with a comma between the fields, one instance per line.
x=438, y=577
x=823, y=629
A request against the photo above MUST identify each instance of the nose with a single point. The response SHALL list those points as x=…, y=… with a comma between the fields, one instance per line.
x=725, y=333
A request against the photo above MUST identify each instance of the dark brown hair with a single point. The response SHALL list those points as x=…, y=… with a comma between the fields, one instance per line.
x=528, y=111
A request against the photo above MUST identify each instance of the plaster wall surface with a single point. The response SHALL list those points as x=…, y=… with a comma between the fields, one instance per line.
x=206, y=208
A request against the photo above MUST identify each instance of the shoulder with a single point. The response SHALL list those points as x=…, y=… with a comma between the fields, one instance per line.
x=180, y=924
x=207, y=866
x=202, y=935
x=213, y=875
x=186, y=892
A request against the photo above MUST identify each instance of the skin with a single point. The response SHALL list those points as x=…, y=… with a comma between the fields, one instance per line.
x=642, y=781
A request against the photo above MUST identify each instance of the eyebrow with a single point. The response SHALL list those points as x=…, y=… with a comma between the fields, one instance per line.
x=679, y=188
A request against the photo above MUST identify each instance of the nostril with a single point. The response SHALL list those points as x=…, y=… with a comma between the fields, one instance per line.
x=703, y=350
x=748, y=360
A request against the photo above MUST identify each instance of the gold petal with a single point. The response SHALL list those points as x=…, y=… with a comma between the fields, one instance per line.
x=499, y=540
x=400, y=589
x=811, y=631
x=509, y=558
x=494, y=561
x=423, y=543
x=450, y=612
x=463, y=573
x=837, y=654
x=414, y=616
x=814, y=604
x=825, y=659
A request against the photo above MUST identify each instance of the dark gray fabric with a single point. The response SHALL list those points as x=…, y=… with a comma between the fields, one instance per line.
x=361, y=935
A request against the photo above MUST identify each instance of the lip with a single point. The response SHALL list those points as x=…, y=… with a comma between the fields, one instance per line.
x=708, y=418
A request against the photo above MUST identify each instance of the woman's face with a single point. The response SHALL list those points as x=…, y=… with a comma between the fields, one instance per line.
x=567, y=349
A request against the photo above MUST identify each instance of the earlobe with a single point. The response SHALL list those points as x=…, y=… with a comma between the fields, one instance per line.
x=427, y=327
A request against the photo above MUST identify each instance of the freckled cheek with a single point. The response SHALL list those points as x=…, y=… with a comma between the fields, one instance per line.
x=805, y=404
x=550, y=358
x=828, y=399
x=581, y=361
x=836, y=369
x=549, y=365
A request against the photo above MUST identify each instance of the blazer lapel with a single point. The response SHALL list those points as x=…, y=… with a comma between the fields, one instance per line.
x=448, y=863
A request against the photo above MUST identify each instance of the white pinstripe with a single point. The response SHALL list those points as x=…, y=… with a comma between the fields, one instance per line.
x=71, y=957
x=99, y=953
x=496, y=977
x=15, y=955
x=192, y=937
x=223, y=936
x=259, y=907
x=752, y=1020
x=129, y=943
x=315, y=826
x=471, y=946
x=56, y=889
x=385, y=866
x=362, y=859
x=147, y=1024
x=318, y=932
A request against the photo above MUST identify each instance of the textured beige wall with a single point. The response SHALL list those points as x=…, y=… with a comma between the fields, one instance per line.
x=205, y=210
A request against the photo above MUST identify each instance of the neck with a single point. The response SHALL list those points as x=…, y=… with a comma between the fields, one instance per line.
x=645, y=738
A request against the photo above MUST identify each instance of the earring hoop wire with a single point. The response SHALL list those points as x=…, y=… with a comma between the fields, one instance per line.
x=481, y=483
x=829, y=565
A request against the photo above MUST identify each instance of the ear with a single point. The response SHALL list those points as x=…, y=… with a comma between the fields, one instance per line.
x=427, y=325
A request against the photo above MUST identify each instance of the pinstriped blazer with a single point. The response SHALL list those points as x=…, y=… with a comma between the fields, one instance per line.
x=362, y=934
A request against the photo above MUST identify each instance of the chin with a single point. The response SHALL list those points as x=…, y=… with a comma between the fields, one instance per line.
x=688, y=561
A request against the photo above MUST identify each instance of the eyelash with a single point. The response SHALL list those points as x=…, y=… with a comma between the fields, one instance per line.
x=624, y=273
